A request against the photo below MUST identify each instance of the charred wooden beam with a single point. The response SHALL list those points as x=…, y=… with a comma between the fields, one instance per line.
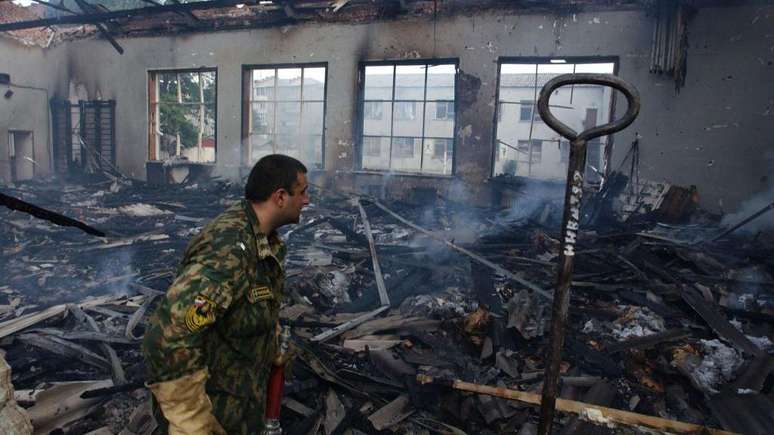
x=41, y=213
x=497, y=268
x=94, y=18
x=594, y=413
x=718, y=322
x=193, y=18
x=53, y=6
x=744, y=221
x=346, y=326
x=383, y=296
x=103, y=30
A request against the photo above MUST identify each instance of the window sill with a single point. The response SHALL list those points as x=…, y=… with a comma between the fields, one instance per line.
x=398, y=173
x=180, y=163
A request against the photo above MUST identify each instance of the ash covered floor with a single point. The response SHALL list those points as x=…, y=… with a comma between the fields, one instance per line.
x=664, y=321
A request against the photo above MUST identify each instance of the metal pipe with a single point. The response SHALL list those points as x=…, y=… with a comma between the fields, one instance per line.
x=571, y=217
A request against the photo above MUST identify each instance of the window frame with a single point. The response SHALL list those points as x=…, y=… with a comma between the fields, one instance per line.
x=615, y=60
x=360, y=124
x=247, y=100
x=153, y=115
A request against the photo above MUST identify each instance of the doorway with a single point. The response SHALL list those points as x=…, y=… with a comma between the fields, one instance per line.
x=21, y=154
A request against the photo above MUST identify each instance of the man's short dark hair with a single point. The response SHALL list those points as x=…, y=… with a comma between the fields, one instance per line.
x=272, y=172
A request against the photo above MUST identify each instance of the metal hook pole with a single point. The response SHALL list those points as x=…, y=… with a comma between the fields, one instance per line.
x=571, y=219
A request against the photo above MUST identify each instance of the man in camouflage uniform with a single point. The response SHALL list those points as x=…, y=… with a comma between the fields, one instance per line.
x=211, y=342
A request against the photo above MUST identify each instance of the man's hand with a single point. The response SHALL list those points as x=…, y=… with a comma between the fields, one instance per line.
x=186, y=406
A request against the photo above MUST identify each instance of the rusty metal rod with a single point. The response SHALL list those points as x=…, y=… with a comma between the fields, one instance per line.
x=571, y=218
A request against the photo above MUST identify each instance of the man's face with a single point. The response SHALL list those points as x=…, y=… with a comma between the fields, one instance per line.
x=298, y=200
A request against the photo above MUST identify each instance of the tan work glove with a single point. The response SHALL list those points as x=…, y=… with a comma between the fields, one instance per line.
x=186, y=406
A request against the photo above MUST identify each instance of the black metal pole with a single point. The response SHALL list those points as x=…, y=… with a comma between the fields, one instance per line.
x=571, y=218
x=569, y=235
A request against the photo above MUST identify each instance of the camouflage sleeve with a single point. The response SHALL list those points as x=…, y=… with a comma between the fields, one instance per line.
x=203, y=290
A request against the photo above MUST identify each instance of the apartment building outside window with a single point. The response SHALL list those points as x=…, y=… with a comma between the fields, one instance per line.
x=408, y=120
x=285, y=112
x=524, y=145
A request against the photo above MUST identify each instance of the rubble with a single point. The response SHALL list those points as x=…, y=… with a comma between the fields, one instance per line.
x=658, y=326
x=637, y=322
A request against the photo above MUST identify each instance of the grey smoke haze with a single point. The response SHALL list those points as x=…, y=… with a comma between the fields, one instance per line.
x=532, y=199
x=117, y=268
x=764, y=222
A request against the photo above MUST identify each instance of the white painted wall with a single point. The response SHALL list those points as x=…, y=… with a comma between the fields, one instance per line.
x=715, y=134
x=27, y=109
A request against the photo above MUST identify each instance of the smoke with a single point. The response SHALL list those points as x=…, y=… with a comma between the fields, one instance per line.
x=114, y=273
x=459, y=192
x=538, y=201
x=748, y=208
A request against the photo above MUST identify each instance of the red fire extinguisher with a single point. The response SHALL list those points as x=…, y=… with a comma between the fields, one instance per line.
x=276, y=385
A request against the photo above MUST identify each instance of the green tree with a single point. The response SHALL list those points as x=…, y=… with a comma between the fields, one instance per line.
x=180, y=114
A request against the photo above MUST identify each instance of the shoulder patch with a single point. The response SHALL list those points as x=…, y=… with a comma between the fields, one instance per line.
x=256, y=294
x=199, y=314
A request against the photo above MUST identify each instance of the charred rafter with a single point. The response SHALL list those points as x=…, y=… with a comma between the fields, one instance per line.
x=101, y=17
x=42, y=213
x=102, y=27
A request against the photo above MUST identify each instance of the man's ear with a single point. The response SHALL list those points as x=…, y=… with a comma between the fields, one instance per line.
x=280, y=196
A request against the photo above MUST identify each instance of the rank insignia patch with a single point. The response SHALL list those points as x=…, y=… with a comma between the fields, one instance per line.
x=200, y=314
x=259, y=294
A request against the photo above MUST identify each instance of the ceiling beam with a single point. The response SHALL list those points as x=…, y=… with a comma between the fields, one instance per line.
x=127, y=13
x=103, y=30
x=53, y=6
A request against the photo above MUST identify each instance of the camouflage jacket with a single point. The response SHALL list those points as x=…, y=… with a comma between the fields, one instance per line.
x=221, y=311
